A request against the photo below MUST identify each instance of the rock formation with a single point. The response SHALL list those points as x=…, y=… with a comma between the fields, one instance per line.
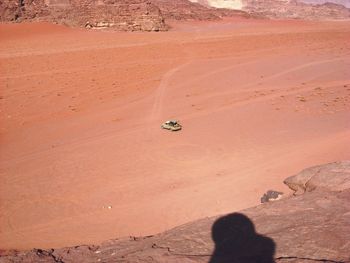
x=311, y=227
x=187, y=10
x=148, y=15
x=334, y=177
x=123, y=15
x=127, y=15
x=294, y=9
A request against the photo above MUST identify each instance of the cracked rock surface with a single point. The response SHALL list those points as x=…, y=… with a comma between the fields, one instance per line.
x=313, y=226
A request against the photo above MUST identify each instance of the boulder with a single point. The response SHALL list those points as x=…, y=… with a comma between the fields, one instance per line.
x=271, y=195
x=331, y=177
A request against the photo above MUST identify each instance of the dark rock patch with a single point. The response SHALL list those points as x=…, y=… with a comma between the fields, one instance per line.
x=271, y=195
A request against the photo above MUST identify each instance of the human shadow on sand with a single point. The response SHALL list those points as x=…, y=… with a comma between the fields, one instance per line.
x=237, y=242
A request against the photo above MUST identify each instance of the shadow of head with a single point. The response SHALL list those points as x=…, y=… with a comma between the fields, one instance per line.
x=237, y=242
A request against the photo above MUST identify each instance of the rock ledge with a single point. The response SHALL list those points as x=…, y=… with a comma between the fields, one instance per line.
x=312, y=226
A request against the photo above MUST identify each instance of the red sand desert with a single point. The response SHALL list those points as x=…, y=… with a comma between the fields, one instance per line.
x=83, y=158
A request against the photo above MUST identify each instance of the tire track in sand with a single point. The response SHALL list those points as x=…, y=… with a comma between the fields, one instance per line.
x=160, y=93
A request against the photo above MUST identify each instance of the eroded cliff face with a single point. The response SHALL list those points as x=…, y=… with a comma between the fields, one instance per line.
x=187, y=10
x=312, y=9
x=148, y=15
x=240, y=4
x=293, y=9
x=130, y=15
x=311, y=226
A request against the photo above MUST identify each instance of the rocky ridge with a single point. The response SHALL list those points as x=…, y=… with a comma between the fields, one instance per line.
x=150, y=15
x=313, y=225
x=296, y=10
x=186, y=10
x=281, y=9
x=126, y=15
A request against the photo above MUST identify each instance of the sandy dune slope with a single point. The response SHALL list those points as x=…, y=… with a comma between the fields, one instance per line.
x=83, y=158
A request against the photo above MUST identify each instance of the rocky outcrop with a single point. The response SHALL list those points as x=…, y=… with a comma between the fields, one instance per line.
x=148, y=15
x=128, y=15
x=9, y=10
x=291, y=9
x=311, y=227
x=331, y=177
x=186, y=10
x=296, y=10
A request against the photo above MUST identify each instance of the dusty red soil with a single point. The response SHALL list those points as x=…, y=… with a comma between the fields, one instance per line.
x=83, y=158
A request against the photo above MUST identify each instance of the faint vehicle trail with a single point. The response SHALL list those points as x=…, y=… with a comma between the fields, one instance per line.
x=158, y=104
x=161, y=90
x=262, y=98
x=243, y=102
x=271, y=77
x=160, y=93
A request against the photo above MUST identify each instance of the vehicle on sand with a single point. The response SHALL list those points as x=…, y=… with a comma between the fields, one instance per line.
x=171, y=125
